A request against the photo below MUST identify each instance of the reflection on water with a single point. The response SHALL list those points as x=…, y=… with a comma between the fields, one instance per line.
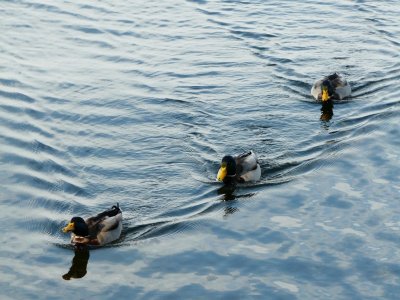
x=227, y=194
x=326, y=110
x=227, y=190
x=79, y=263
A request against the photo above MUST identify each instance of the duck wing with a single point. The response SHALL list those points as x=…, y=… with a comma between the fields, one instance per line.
x=110, y=229
x=110, y=223
x=249, y=169
x=104, y=221
x=341, y=86
x=246, y=162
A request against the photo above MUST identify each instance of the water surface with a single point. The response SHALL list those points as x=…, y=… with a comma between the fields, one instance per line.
x=137, y=103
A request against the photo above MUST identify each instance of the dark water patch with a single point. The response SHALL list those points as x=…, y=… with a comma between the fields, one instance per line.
x=252, y=35
x=120, y=59
x=92, y=118
x=10, y=82
x=45, y=166
x=209, y=12
x=17, y=96
x=379, y=80
x=336, y=202
x=293, y=162
x=18, y=143
x=97, y=8
x=120, y=33
x=259, y=48
x=165, y=230
x=350, y=244
x=187, y=211
x=125, y=21
x=195, y=75
x=202, y=88
x=388, y=237
x=24, y=127
x=41, y=147
x=366, y=121
x=371, y=270
x=304, y=95
x=101, y=119
x=87, y=42
x=198, y=1
x=273, y=60
x=47, y=184
x=34, y=181
x=141, y=231
x=271, y=237
x=184, y=219
x=46, y=226
x=341, y=57
x=54, y=9
x=191, y=289
x=297, y=87
x=393, y=42
x=371, y=91
x=219, y=63
x=350, y=124
x=176, y=102
x=34, y=113
x=316, y=272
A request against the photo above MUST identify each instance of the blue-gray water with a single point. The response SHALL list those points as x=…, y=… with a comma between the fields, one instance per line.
x=137, y=101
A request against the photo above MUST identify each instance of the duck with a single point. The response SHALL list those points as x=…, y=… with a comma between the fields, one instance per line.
x=331, y=87
x=98, y=230
x=240, y=168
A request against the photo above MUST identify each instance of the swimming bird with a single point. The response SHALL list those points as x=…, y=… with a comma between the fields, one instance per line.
x=331, y=87
x=240, y=168
x=98, y=230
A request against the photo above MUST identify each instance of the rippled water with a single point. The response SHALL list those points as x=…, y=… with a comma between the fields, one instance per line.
x=137, y=101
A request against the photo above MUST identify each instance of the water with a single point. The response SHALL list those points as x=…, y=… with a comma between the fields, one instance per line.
x=136, y=102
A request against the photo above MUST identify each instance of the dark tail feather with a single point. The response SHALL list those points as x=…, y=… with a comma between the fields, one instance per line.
x=113, y=211
x=333, y=76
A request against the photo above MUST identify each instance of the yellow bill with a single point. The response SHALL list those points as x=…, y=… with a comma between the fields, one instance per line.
x=325, y=95
x=222, y=173
x=69, y=227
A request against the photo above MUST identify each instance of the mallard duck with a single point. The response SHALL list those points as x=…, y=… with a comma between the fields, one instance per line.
x=330, y=87
x=240, y=168
x=98, y=230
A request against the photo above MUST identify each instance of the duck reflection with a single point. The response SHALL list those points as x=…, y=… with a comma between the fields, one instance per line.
x=79, y=263
x=227, y=193
x=229, y=210
x=326, y=110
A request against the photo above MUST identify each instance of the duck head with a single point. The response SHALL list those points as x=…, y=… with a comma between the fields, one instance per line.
x=78, y=226
x=327, y=90
x=227, y=171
